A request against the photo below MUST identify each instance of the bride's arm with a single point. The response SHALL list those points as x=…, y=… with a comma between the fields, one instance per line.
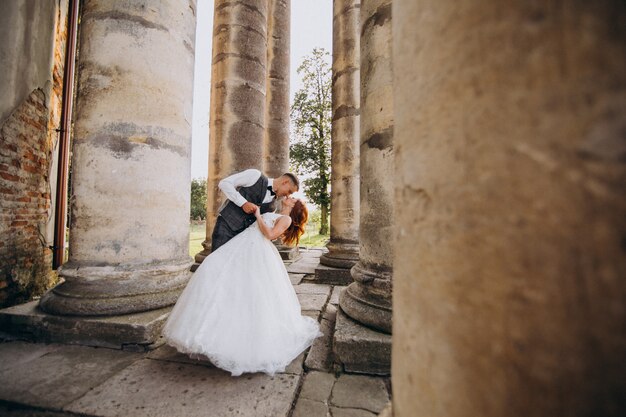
x=279, y=227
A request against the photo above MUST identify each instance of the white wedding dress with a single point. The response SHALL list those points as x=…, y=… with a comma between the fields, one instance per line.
x=240, y=310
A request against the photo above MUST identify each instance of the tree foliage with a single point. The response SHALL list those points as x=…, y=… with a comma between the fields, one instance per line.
x=311, y=114
x=198, y=199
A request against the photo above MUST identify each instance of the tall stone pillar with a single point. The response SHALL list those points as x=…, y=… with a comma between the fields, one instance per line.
x=509, y=268
x=237, y=114
x=343, y=248
x=129, y=229
x=276, y=139
x=367, y=301
x=277, y=108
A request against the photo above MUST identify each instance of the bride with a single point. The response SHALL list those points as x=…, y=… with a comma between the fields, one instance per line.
x=239, y=308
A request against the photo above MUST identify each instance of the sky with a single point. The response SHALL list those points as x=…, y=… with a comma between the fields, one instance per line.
x=311, y=27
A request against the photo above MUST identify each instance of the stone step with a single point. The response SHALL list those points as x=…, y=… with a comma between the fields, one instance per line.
x=137, y=332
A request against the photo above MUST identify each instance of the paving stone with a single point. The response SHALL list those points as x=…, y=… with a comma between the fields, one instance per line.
x=169, y=353
x=316, y=314
x=61, y=376
x=312, y=301
x=313, y=253
x=296, y=366
x=17, y=353
x=158, y=388
x=360, y=391
x=334, y=297
x=306, y=265
x=320, y=355
x=308, y=408
x=296, y=278
x=330, y=312
x=350, y=412
x=317, y=386
x=307, y=288
x=360, y=349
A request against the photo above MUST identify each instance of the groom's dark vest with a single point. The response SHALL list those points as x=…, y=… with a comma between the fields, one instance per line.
x=235, y=217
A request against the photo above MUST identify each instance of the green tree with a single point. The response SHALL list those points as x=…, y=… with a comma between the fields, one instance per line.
x=198, y=199
x=311, y=114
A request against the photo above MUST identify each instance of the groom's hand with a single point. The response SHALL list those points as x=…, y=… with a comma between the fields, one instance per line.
x=249, y=207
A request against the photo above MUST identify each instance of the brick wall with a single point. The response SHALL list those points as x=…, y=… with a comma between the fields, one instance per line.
x=28, y=142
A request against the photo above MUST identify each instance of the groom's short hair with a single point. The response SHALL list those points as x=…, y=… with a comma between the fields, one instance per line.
x=293, y=179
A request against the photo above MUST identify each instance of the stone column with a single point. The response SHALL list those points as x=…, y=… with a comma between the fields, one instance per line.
x=367, y=301
x=277, y=108
x=343, y=248
x=509, y=268
x=276, y=140
x=237, y=114
x=131, y=160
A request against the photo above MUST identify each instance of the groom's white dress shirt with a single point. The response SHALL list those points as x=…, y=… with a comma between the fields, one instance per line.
x=243, y=179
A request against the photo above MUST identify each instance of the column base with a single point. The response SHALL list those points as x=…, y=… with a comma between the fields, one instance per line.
x=332, y=276
x=115, y=290
x=199, y=258
x=288, y=253
x=368, y=299
x=135, y=332
x=341, y=254
x=360, y=349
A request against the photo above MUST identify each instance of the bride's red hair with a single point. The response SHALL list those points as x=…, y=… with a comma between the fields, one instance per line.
x=299, y=216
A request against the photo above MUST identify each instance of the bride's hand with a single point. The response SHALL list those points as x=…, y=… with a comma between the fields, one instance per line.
x=257, y=212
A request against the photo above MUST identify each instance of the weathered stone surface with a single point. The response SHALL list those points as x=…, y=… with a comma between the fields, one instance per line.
x=277, y=107
x=509, y=289
x=238, y=98
x=18, y=353
x=303, y=266
x=308, y=408
x=288, y=254
x=131, y=137
x=360, y=349
x=308, y=288
x=343, y=247
x=330, y=275
x=320, y=355
x=170, y=354
x=61, y=376
x=316, y=314
x=140, y=329
x=350, y=412
x=334, y=297
x=368, y=298
x=312, y=301
x=330, y=312
x=360, y=391
x=313, y=252
x=317, y=386
x=157, y=388
x=296, y=278
x=296, y=366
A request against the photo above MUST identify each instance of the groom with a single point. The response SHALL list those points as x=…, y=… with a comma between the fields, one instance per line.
x=245, y=191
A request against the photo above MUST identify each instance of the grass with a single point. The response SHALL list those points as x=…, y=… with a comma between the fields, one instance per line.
x=310, y=239
x=197, y=233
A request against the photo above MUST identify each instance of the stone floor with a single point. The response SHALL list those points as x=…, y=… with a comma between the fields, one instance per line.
x=47, y=380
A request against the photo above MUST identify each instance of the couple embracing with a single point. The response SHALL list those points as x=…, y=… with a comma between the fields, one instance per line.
x=239, y=308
